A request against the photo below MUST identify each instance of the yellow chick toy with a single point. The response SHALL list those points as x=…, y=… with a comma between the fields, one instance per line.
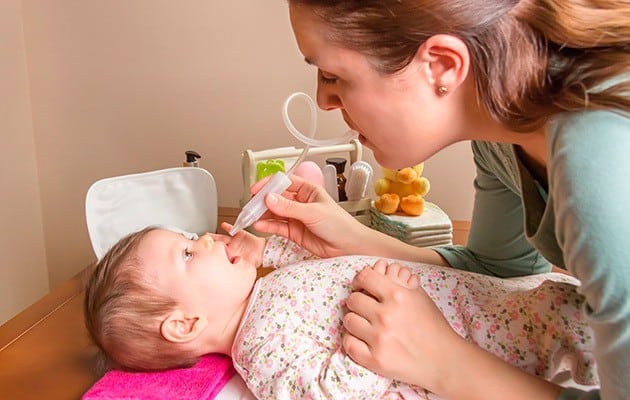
x=402, y=190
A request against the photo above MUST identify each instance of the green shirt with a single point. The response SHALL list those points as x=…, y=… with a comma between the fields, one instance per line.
x=581, y=223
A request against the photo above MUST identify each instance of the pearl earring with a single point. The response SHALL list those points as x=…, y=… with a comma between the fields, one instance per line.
x=442, y=90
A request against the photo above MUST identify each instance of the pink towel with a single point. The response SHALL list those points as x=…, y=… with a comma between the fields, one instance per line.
x=203, y=381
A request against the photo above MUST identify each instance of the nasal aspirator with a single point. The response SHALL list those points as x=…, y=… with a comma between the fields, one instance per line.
x=255, y=208
x=279, y=182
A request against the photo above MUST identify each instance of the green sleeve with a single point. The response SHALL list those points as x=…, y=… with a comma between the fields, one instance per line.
x=589, y=172
x=575, y=394
x=497, y=244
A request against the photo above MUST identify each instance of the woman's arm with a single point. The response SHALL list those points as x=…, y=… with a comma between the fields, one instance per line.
x=309, y=217
x=590, y=187
x=497, y=244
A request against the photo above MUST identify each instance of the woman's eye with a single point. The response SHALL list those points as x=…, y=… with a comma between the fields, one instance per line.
x=326, y=79
x=187, y=255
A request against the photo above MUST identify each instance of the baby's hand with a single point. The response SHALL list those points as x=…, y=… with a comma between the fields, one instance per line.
x=243, y=245
x=397, y=273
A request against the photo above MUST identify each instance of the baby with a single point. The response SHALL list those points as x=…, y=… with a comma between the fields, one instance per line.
x=160, y=299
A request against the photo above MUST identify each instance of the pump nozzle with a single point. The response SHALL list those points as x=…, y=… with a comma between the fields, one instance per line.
x=191, y=159
x=256, y=207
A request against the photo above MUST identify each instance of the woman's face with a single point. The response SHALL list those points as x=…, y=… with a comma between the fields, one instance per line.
x=399, y=117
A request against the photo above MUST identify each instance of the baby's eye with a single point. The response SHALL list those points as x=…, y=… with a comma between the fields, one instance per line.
x=187, y=255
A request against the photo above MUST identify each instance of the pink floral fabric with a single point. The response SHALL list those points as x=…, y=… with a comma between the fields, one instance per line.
x=289, y=343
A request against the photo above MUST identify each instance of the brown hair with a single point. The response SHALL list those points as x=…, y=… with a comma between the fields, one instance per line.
x=531, y=59
x=123, y=312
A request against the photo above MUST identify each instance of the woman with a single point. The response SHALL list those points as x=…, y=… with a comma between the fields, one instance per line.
x=541, y=89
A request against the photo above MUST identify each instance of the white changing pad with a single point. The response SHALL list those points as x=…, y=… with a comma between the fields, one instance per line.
x=235, y=389
x=184, y=197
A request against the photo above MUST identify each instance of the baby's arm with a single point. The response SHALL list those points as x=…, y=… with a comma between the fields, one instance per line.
x=280, y=252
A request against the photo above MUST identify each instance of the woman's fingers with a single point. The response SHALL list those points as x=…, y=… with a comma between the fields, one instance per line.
x=398, y=273
x=357, y=326
x=413, y=282
x=380, y=266
x=218, y=237
x=363, y=304
x=356, y=349
x=372, y=282
x=358, y=329
x=272, y=226
x=255, y=188
x=404, y=274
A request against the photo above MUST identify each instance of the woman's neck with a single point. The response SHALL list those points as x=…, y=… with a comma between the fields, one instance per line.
x=533, y=154
x=531, y=146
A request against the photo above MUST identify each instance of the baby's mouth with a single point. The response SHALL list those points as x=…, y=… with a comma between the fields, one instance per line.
x=232, y=259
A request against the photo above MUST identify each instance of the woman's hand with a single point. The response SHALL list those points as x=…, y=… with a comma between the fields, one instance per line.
x=397, y=273
x=397, y=331
x=306, y=215
x=243, y=245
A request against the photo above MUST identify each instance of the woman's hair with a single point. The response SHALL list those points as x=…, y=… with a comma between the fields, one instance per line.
x=531, y=59
x=123, y=312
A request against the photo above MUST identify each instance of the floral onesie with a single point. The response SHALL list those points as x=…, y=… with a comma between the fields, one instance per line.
x=288, y=345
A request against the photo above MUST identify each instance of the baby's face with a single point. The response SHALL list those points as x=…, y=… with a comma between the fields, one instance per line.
x=198, y=274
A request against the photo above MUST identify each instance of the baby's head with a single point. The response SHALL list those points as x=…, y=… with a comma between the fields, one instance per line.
x=159, y=300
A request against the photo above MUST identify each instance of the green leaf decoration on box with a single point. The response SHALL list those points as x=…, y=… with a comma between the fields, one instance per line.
x=269, y=167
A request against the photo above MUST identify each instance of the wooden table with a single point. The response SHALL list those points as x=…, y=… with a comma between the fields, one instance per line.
x=44, y=351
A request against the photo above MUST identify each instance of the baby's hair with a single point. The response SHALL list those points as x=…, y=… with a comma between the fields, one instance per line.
x=123, y=312
x=531, y=59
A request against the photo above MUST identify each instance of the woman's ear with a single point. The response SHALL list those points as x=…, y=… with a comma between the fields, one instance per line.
x=447, y=62
x=180, y=328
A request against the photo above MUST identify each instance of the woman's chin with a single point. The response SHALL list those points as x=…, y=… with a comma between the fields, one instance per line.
x=390, y=161
x=383, y=160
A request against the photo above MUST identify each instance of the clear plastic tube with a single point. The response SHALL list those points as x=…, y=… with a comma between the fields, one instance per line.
x=310, y=140
x=279, y=182
x=256, y=207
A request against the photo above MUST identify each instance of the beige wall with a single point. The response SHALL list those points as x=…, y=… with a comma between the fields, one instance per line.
x=126, y=86
x=23, y=275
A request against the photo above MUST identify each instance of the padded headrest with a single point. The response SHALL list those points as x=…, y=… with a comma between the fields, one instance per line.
x=183, y=197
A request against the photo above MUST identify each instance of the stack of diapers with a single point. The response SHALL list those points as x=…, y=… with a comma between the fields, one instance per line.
x=203, y=381
x=432, y=228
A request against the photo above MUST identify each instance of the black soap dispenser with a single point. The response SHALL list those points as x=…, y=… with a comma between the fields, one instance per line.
x=191, y=159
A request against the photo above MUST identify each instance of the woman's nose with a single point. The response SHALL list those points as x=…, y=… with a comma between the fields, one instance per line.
x=327, y=98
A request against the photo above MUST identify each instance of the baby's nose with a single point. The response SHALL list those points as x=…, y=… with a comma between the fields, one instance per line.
x=207, y=240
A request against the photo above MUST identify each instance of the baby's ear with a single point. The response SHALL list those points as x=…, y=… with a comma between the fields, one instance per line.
x=178, y=327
